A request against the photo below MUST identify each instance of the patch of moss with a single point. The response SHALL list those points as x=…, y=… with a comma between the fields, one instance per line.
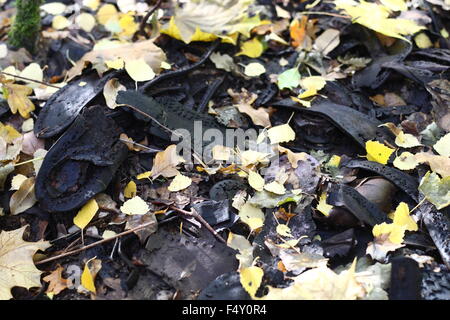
x=26, y=26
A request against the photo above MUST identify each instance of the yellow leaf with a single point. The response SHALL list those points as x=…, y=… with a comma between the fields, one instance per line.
x=251, y=279
x=378, y=152
x=243, y=246
x=139, y=70
x=144, y=175
x=116, y=64
x=128, y=25
x=18, y=100
x=405, y=161
x=252, y=48
x=256, y=181
x=130, y=190
x=24, y=198
x=135, y=205
x=17, y=268
x=207, y=20
x=60, y=22
x=281, y=133
x=91, y=268
x=334, y=161
x=106, y=13
x=403, y=219
x=252, y=157
x=443, y=145
x=32, y=71
x=8, y=133
x=54, y=8
x=323, y=206
x=275, y=187
x=376, y=17
x=311, y=85
x=422, y=41
x=86, y=213
x=17, y=181
x=180, y=182
x=284, y=230
x=252, y=216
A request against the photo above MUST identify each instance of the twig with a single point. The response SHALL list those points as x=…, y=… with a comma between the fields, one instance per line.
x=327, y=14
x=28, y=79
x=195, y=215
x=149, y=13
x=183, y=70
x=142, y=226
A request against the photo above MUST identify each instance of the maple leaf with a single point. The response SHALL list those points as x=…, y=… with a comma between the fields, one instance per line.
x=17, y=97
x=16, y=262
x=56, y=282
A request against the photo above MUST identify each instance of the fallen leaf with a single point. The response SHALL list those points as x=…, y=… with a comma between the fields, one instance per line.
x=17, y=181
x=135, y=205
x=311, y=85
x=284, y=231
x=54, y=8
x=255, y=181
x=251, y=48
x=323, y=206
x=60, y=22
x=85, y=21
x=56, y=281
x=289, y=79
x=443, y=145
x=293, y=157
x=275, y=187
x=438, y=164
x=24, y=198
x=222, y=61
x=17, y=97
x=252, y=216
x=165, y=163
x=405, y=161
x=139, y=70
x=179, y=183
x=110, y=91
x=378, y=152
x=243, y=101
x=130, y=190
x=436, y=190
x=91, y=268
x=32, y=71
x=254, y=69
x=85, y=214
x=422, y=41
x=245, y=249
x=112, y=50
x=251, y=279
x=17, y=268
x=281, y=133
x=320, y=283
x=207, y=20
x=327, y=41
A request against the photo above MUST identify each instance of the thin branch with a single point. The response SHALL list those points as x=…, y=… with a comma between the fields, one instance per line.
x=28, y=79
x=142, y=226
x=149, y=13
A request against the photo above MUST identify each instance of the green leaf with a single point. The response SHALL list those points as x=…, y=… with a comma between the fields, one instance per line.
x=289, y=79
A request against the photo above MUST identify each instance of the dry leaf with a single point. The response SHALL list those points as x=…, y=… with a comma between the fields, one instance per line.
x=85, y=214
x=110, y=91
x=24, y=198
x=56, y=282
x=135, y=206
x=165, y=163
x=243, y=101
x=179, y=183
x=16, y=262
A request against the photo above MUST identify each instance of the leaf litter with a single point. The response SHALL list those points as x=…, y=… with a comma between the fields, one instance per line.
x=296, y=198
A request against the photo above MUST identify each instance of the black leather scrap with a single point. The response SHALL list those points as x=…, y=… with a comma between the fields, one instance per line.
x=81, y=163
x=63, y=106
x=400, y=179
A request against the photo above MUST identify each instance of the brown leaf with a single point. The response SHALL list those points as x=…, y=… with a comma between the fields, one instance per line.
x=56, y=282
x=243, y=101
x=18, y=99
x=165, y=163
x=24, y=198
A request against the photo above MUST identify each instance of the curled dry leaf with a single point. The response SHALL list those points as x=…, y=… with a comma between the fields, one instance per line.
x=243, y=101
x=56, y=281
x=24, y=198
x=165, y=163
